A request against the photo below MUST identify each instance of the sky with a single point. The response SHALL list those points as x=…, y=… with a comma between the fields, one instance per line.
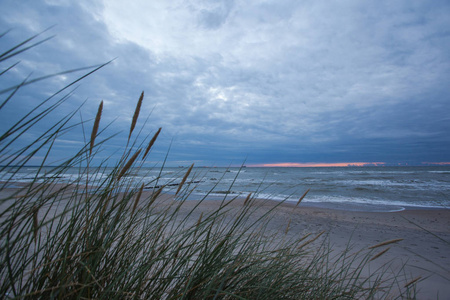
x=261, y=83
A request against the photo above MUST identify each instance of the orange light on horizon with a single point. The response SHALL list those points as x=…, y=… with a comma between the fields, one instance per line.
x=306, y=165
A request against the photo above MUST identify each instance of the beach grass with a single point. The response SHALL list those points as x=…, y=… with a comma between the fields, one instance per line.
x=109, y=237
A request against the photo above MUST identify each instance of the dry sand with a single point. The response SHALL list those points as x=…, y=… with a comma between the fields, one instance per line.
x=425, y=248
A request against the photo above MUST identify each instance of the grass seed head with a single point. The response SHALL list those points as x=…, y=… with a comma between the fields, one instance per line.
x=301, y=198
x=128, y=164
x=136, y=114
x=155, y=195
x=385, y=243
x=380, y=253
x=199, y=220
x=287, y=227
x=311, y=240
x=246, y=201
x=413, y=281
x=96, y=125
x=184, y=179
x=152, y=141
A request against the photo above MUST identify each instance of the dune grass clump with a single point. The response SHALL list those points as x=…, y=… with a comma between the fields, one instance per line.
x=104, y=235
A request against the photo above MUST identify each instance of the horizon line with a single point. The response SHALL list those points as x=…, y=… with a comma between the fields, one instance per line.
x=344, y=164
x=315, y=165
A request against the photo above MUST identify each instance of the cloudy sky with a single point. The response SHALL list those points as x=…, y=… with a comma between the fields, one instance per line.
x=265, y=82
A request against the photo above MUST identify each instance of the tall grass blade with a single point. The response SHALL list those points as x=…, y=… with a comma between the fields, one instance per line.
x=27, y=82
x=136, y=201
x=10, y=53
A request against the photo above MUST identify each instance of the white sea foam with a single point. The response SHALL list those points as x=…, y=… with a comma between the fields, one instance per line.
x=393, y=186
x=440, y=172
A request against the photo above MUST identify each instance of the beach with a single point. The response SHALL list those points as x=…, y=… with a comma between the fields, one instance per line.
x=422, y=251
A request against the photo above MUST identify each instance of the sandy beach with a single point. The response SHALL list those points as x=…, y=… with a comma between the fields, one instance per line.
x=424, y=250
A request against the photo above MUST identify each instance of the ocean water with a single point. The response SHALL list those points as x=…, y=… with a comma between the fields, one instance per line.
x=348, y=188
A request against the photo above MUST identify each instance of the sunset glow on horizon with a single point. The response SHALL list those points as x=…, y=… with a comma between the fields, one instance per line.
x=306, y=165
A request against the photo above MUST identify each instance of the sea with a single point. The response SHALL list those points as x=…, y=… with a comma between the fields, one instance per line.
x=347, y=188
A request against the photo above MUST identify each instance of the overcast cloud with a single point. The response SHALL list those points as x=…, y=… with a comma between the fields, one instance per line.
x=266, y=81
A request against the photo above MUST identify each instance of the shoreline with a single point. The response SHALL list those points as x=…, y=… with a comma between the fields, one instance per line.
x=339, y=206
x=373, y=207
